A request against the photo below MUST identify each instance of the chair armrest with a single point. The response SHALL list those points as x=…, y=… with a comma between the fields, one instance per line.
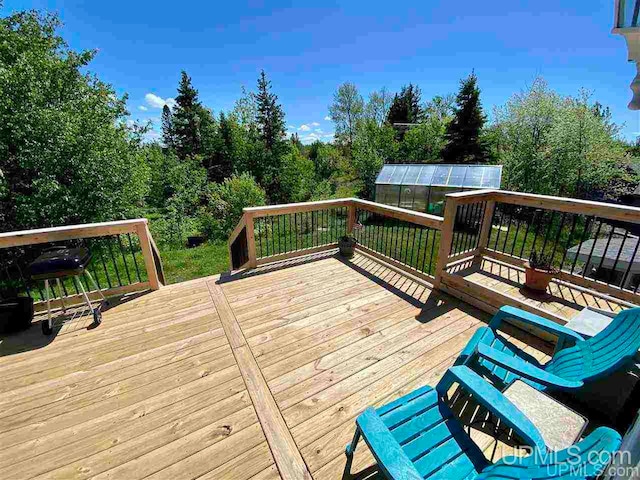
x=525, y=369
x=537, y=321
x=491, y=398
x=385, y=448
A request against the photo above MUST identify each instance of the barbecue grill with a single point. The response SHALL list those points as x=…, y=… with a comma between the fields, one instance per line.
x=62, y=262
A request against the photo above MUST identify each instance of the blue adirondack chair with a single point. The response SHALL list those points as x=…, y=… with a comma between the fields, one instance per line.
x=574, y=362
x=418, y=436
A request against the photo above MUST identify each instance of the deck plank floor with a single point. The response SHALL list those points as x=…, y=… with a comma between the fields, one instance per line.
x=233, y=378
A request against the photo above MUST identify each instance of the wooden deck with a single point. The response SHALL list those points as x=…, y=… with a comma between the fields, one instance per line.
x=561, y=299
x=255, y=377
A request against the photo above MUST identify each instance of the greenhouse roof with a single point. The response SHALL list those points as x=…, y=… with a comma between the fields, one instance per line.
x=442, y=175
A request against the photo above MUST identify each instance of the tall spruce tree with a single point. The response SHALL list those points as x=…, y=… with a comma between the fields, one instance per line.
x=464, y=142
x=187, y=119
x=269, y=116
x=406, y=106
x=222, y=158
x=167, y=127
x=271, y=130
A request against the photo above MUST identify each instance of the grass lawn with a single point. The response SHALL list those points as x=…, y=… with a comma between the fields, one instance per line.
x=189, y=263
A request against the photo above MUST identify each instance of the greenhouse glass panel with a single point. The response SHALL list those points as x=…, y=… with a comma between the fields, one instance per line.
x=391, y=195
x=426, y=174
x=441, y=175
x=491, y=177
x=406, y=200
x=473, y=179
x=436, y=200
x=456, y=178
x=385, y=174
x=398, y=174
x=421, y=198
x=411, y=177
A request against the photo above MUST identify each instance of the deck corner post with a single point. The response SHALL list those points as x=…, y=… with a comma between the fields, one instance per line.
x=145, y=244
x=251, y=240
x=446, y=237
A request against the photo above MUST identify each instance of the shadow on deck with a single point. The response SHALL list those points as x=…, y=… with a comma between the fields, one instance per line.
x=257, y=375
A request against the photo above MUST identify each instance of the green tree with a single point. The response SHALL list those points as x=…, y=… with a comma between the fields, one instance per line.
x=297, y=176
x=187, y=119
x=346, y=111
x=66, y=154
x=270, y=126
x=225, y=202
x=373, y=146
x=378, y=106
x=167, y=127
x=405, y=107
x=464, y=141
x=557, y=145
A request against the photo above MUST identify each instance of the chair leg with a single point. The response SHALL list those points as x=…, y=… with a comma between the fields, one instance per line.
x=349, y=451
x=61, y=291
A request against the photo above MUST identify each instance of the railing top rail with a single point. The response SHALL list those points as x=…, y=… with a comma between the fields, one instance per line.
x=472, y=196
x=570, y=205
x=270, y=210
x=68, y=232
x=411, y=216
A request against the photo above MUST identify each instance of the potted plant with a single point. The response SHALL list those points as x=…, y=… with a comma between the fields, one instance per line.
x=347, y=243
x=539, y=271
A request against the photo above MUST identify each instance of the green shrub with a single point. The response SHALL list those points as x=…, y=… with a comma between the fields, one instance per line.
x=225, y=202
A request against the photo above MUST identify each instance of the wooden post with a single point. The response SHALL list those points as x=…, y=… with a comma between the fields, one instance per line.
x=446, y=236
x=251, y=240
x=351, y=218
x=149, y=263
x=485, y=229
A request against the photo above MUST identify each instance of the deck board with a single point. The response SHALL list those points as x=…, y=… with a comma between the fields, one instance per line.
x=257, y=375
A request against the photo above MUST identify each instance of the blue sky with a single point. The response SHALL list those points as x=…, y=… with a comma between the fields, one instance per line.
x=308, y=49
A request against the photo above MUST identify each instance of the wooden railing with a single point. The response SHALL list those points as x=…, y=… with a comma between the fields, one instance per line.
x=124, y=259
x=502, y=225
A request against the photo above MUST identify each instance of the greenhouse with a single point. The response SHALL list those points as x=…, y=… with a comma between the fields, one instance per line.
x=423, y=187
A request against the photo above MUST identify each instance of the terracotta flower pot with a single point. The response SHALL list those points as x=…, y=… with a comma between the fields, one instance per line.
x=537, y=279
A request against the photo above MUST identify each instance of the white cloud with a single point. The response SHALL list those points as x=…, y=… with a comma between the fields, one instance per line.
x=143, y=108
x=318, y=130
x=155, y=101
x=304, y=128
x=312, y=137
x=291, y=127
x=315, y=124
x=327, y=118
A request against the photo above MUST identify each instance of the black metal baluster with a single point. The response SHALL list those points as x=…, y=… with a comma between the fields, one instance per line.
x=113, y=259
x=515, y=237
x=606, y=248
x=471, y=236
x=631, y=262
x=260, y=229
x=536, y=230
x=279, y=233
x=495, y=245
x=433, y=246
x=587, y=226
x=624, y=239
x=568, y=244
x=126, y=267
x=419, y=245
x=426, y=249
x=506, y=235
x=135, y=262
x=593, y=246
x=555, y=245
x=104, y=265
x=546, y=235
x=395, y=242
x=526, y=232
x=23, y=281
